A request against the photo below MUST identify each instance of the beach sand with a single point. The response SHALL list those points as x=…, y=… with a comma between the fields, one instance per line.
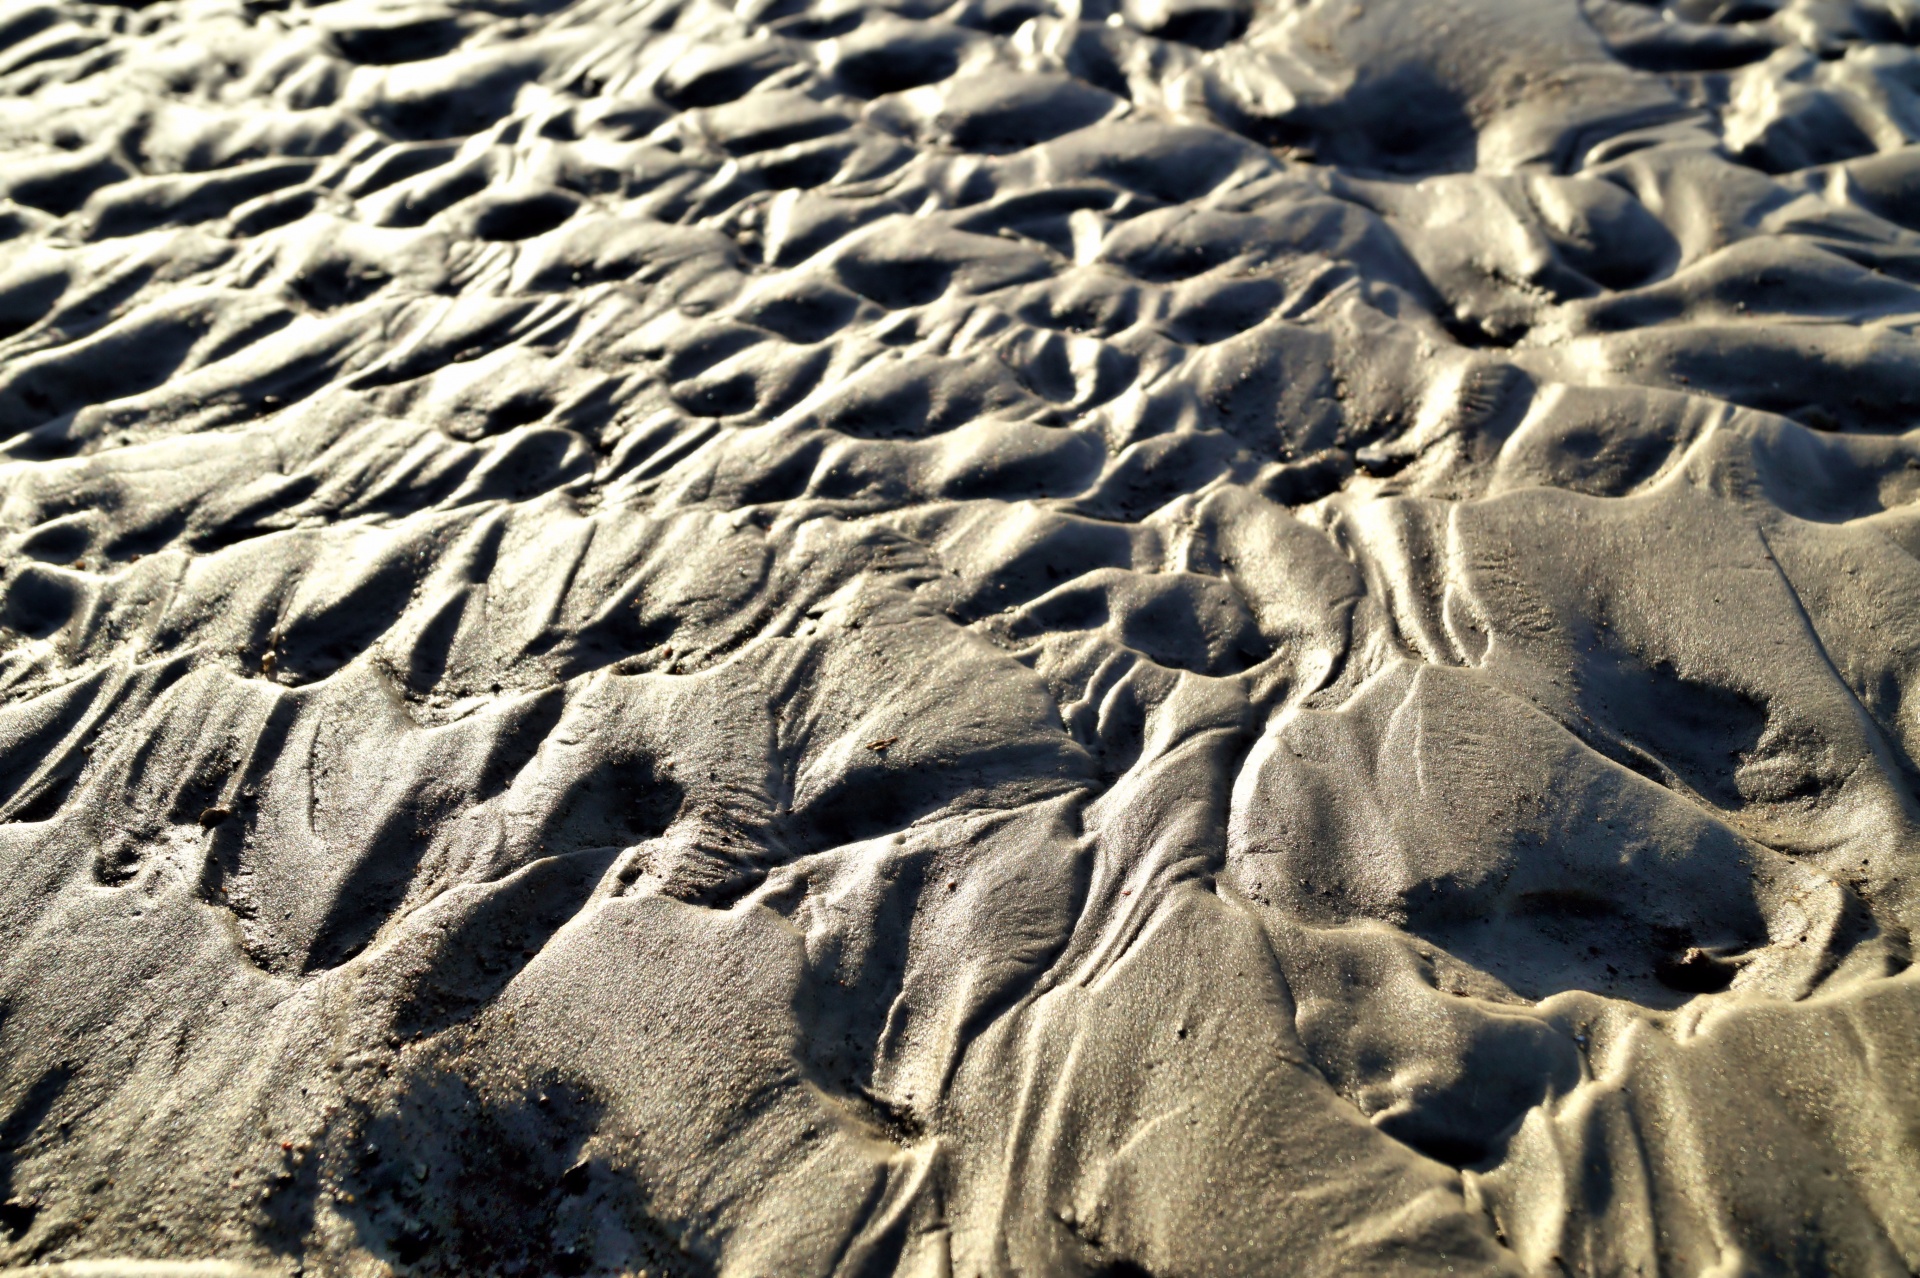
x=1031, y=637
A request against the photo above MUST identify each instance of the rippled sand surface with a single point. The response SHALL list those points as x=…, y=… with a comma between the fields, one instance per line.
x=1019, y=637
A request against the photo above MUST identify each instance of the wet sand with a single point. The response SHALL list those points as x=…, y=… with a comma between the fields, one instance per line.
x=1026, y=637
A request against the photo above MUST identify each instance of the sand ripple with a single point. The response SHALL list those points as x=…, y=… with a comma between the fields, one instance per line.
x=1041, y=636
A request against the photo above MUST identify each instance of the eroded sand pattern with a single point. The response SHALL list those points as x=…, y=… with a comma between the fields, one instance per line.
x=1024, y=637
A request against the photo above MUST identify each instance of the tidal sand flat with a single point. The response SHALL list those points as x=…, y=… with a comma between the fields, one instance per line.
x=957, y=639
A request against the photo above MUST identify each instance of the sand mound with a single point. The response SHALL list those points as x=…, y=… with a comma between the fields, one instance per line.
x=1026, y=636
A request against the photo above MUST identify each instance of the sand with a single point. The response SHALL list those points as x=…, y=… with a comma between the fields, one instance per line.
x=1031, y=637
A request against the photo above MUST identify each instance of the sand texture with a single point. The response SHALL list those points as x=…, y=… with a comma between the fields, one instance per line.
x=1018, y=637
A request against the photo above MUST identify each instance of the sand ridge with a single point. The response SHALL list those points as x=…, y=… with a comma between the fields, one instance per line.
x=1026, y=636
